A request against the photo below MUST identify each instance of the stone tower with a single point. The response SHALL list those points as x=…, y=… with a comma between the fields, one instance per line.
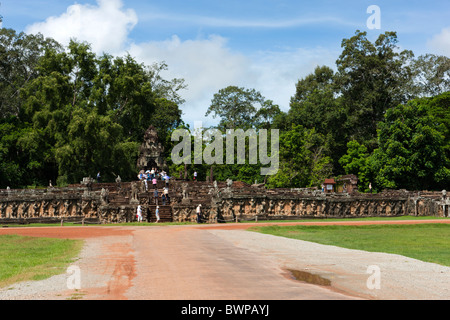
x=151, y=152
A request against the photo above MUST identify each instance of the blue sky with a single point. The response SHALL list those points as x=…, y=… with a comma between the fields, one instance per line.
x=265, y=45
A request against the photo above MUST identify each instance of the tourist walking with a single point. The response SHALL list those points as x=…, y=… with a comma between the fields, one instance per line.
x=157, y=214
x=166, y=195
x=155, y=196
x=166, y=178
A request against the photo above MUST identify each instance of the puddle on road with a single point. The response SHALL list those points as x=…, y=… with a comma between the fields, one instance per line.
x=309, y=277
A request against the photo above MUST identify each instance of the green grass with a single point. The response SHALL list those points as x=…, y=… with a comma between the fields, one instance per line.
x=29, y=258
x=426, y=242
x=348, y=219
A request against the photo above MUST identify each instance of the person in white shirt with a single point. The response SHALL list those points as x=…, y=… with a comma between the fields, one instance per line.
x=157, y=214
x=199, y=212
x=139, y=213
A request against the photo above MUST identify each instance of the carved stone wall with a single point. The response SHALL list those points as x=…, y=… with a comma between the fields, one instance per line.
x=228, y=203
x=221, y=202
x=51, y=204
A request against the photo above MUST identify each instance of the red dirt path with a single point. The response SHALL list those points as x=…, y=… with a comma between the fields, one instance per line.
x=121, y=258
x=67, y=232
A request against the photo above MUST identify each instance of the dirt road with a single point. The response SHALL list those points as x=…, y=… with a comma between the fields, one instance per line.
x=180, y=263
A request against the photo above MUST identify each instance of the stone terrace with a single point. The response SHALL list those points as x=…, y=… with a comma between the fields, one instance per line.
x=92, y=202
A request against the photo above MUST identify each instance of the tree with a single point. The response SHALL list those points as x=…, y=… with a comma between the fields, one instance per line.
x=315, y=106
x=303, y=162
x=411, y=152
x=236, y=107
x=357, y=161
x=440, y=109
x=371, y=78
x=19, y=57
x=10, y=169
x=431, y=75
x=266, y=114
x=79, y=114
x=165, y=88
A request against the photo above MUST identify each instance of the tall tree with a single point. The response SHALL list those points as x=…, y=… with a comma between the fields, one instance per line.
x=19, y=57
x=371, y=78
x=236, y=107
x=315, y=106
x=431, y=75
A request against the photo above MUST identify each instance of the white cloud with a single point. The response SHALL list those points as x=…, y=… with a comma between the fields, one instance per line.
x=279, y=71
x=206, y=64
x=105, y=26
x=440, y=43
x=247, y=23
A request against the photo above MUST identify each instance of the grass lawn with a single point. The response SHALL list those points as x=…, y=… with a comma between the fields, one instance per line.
x=351, y=219
x=29, y=258
x=426, y=242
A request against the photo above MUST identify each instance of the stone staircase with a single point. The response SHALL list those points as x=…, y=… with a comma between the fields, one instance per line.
x=165, y=214
x=198, y=192
x=119, y=196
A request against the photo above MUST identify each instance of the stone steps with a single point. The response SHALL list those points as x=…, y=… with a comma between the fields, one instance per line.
x=165, y=214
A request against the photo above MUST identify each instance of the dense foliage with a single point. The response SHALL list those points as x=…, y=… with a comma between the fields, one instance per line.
x=381, y=113
x=67, y=113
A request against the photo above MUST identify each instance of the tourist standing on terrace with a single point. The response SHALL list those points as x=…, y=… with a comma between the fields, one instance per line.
x=155, y=196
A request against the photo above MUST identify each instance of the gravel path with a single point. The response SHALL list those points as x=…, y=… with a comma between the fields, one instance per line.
x=400, y=277
x=108, y=267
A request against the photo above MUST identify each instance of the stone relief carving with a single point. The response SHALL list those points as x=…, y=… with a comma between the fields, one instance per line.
x=104, y=196
x=221, y=205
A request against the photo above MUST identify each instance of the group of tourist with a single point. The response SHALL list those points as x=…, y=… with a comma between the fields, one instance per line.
x=165, y=199
x=153, y=176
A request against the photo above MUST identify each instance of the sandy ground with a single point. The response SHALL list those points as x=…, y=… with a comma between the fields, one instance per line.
x=225, y=262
